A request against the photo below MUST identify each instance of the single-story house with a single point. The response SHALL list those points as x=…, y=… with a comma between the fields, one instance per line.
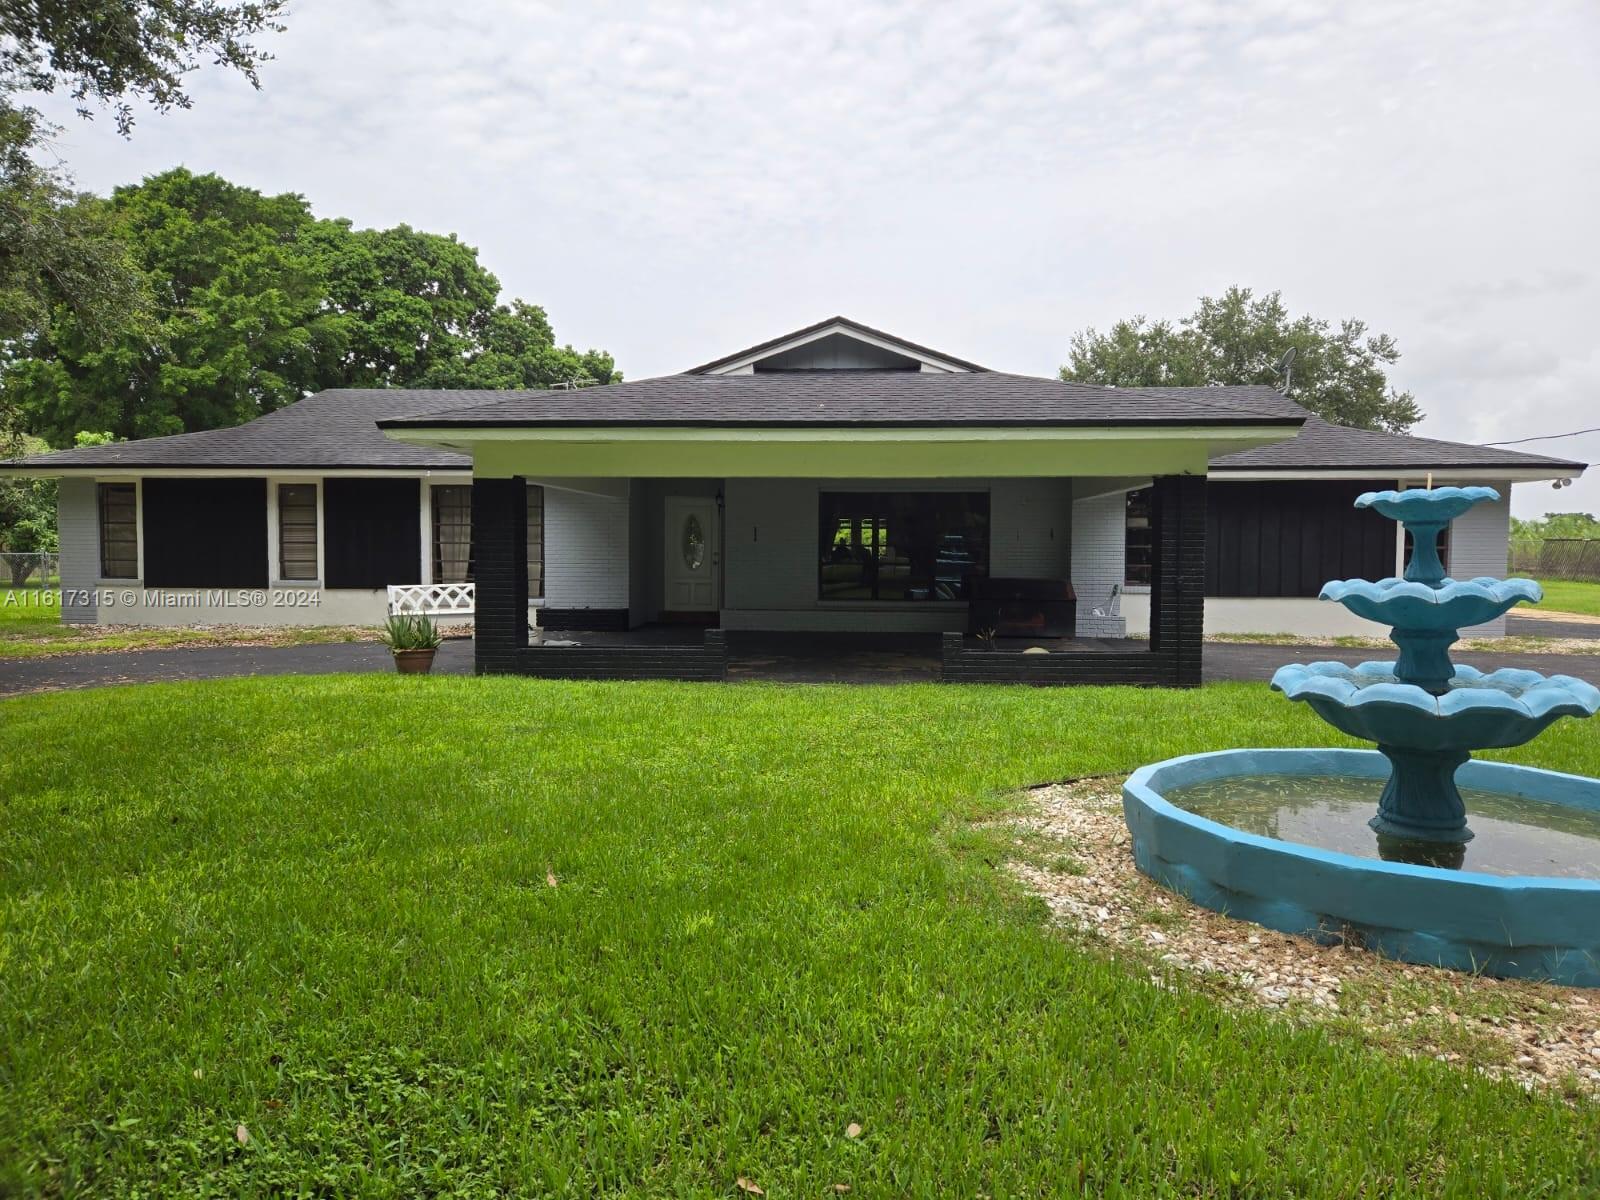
x=834, y=479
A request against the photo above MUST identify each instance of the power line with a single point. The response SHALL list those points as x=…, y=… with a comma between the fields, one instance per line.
x=1547, y=437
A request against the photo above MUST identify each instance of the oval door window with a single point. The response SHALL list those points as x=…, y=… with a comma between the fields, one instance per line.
x=694, y=543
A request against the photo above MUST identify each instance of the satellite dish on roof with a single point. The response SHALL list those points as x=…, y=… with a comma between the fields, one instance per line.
x=1286, y=365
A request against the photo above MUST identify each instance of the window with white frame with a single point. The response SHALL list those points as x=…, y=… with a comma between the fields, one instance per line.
x=297, y=531
x=119, y=530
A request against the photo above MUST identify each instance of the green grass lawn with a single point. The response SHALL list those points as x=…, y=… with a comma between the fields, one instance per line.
x=481, y=936
x=1571, y=595
x=31, y=627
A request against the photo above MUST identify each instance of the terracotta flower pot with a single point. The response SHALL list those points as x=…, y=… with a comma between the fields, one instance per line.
x=413, y=662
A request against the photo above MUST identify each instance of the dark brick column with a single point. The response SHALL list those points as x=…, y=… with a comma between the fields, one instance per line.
x=500, y=548
x=1178, y=573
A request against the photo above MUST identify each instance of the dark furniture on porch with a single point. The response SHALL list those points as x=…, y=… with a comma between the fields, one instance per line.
x=1177, y=613
x=1038, y=608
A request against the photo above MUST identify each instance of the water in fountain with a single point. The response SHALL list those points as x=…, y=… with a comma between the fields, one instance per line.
x=1426, y=713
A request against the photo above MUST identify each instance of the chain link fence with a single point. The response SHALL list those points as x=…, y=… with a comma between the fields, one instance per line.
x=1562, y=558
x=29, y=570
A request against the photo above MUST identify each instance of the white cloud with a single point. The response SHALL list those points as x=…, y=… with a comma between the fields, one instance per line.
x=675, y=179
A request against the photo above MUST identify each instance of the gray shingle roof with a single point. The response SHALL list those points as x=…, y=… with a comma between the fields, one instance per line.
x=333, y=429
x=867, y=398
x=339, y=429
x=1321, y=445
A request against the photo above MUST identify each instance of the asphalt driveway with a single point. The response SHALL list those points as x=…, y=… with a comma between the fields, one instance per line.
x=1222, y=662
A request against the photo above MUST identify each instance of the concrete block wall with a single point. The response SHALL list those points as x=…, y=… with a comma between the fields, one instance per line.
x=1099, y=552
x=78, y=524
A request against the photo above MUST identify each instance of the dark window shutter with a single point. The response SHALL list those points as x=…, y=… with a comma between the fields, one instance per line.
x=205, y=533
x=372, y=535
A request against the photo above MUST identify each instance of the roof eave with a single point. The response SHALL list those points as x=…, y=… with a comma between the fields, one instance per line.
x=1511, y=473
x=1243, y=420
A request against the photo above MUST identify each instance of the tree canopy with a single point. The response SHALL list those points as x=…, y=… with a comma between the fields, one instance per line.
x=253, y=302
x=56, y=250
x=1340, y=371
x=27, y=518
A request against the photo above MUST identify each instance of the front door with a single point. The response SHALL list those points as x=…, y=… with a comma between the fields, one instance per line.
x=691, y=555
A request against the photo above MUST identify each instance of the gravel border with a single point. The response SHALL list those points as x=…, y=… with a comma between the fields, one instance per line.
x=1073, y=851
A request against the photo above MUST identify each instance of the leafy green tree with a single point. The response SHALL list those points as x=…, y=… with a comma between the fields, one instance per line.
x=408, y=302
x=1339, y=373
x=1558, y=525
x=235, y=325
x=253, y=303
x=517, y=349
x=27, y=516
x=56, y=249
x=103, y=53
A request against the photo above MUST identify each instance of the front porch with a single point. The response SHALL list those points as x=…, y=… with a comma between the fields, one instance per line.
x=737, y=578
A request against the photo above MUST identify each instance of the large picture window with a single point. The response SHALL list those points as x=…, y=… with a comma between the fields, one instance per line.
x=119, y=530
x=901, y=546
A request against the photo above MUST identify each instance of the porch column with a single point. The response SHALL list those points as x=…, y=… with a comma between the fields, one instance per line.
x=500, y=574
x=1178, y=572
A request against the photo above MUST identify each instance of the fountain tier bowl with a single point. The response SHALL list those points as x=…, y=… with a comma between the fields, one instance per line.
x=1517, y=926
x=1451, y=605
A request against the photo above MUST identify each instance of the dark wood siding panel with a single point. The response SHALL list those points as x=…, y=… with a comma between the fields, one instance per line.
x=1269, y=538
x=373, y=537
x=205, y=533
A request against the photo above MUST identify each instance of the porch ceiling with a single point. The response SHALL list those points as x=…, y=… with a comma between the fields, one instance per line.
x=845, y=453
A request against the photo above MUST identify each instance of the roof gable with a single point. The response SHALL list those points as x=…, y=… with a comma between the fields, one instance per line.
x=836, y=344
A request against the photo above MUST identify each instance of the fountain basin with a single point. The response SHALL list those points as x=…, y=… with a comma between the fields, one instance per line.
x=1517, y=926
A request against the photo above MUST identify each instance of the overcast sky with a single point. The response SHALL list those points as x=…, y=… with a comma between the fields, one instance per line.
x=673, y=181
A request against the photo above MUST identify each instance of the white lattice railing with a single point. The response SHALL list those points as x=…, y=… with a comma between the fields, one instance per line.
x=447, y=600
x=432, y=600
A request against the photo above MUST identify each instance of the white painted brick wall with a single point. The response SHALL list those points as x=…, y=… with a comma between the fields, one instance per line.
x=1099, y=535
x=586, y=550
x=78, y=523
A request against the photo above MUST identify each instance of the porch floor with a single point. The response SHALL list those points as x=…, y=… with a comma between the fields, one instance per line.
x=829, y=657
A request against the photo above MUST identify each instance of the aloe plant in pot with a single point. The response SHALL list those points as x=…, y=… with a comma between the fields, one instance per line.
x=412, y=640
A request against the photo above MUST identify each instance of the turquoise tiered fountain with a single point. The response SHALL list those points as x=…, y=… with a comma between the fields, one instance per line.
x=1426, y=714
x=1273, y=836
